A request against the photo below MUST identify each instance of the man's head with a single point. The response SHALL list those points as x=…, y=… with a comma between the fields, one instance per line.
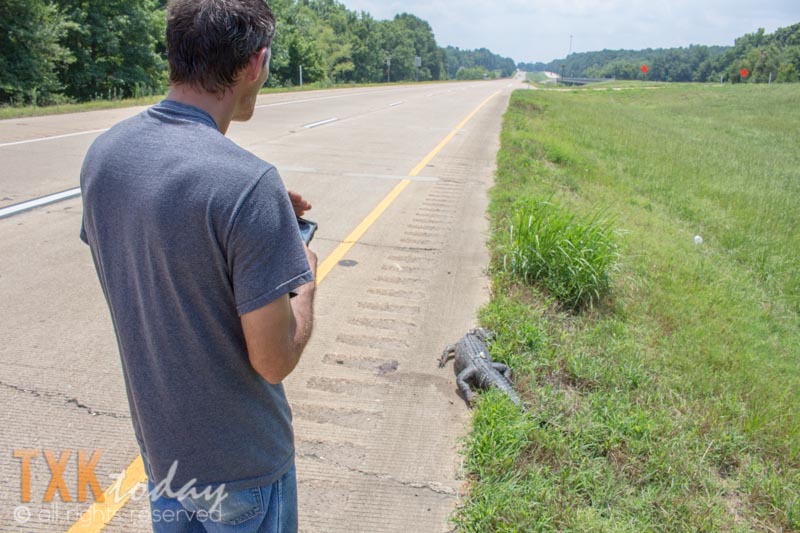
x=212, y=43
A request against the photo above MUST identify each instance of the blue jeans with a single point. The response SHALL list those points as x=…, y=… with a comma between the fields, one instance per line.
x=267, y=509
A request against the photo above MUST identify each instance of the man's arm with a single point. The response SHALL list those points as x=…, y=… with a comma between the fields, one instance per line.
x=277, y=333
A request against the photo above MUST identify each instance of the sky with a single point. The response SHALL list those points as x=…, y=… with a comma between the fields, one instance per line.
x=540, y=30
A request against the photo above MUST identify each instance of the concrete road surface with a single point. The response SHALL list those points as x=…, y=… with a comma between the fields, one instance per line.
x=378, y=425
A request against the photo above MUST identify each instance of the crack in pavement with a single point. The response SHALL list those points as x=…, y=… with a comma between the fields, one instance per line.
x=66, y=399
x=432, y=486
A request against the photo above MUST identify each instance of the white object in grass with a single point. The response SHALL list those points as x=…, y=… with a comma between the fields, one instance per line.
x=698, y=239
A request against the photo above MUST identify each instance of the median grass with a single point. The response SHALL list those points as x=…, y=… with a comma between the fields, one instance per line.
x=672, y=404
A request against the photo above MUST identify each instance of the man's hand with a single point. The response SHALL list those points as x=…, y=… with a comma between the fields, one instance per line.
x=298, y=203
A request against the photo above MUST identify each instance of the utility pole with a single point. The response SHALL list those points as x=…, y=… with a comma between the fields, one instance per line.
x=301, y=75
x=565, y=61
x=389, y=69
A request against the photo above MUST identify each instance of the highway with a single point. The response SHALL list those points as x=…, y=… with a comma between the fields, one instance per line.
x=398, y=178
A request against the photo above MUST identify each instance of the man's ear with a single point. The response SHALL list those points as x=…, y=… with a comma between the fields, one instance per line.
x=257, y=62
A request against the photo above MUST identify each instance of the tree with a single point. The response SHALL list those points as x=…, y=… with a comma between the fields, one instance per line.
x=295, y=45
x=474, y=73
x=116, y=47
x=30, y=52
x=86, y=49
x=424, y=46
x=458, y=59
x=761, y=53
x=367, y=52
x=337, y=52
x=789, y=70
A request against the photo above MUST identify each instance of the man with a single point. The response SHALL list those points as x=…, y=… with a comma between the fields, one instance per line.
x=197, y=248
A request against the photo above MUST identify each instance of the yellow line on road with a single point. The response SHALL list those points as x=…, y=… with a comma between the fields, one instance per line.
x=333, y=259
x=428, y=158
x=100, y=514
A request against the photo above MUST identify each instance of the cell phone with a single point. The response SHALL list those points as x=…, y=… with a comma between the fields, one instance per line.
x=307, y=229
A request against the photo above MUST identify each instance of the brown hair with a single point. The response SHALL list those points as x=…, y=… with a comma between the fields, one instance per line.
x=210, y=41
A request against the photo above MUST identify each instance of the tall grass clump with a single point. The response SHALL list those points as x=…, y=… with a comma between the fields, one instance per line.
x=571, y=256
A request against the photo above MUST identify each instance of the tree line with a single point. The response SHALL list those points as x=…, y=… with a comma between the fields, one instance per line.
x=475, y=64
x=766, y=57
x=56, y=51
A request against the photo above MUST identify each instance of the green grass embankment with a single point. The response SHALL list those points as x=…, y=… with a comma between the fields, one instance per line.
x=538, y=77
x=673, y=402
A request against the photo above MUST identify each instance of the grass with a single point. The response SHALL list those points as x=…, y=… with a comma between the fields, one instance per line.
x=673, y=404
x=537, y=77
x=570, y=256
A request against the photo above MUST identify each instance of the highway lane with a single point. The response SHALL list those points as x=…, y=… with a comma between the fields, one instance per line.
x=377, y=423
x=42, y=155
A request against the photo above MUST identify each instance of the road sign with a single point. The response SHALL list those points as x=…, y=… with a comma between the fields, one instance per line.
x=417, y=61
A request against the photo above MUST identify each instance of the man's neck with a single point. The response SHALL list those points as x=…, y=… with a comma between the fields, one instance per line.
x=221, y=109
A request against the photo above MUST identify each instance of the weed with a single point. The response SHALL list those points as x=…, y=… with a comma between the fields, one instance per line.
x=571, y=256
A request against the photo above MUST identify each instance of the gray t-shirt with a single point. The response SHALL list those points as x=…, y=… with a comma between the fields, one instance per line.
x=188, y=231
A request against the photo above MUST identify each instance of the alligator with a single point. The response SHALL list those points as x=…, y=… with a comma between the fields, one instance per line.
x=474, y=366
